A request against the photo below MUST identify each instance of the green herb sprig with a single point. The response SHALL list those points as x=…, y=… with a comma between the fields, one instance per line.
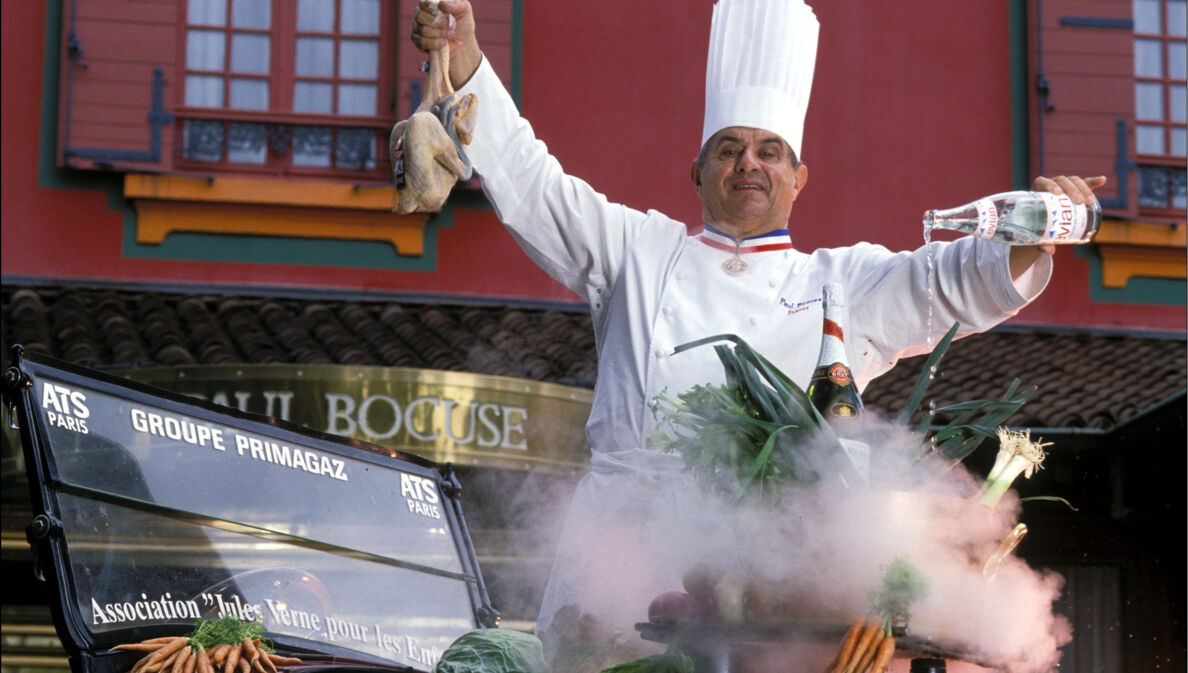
x=902, y=585
x=758, y=432
x=748, y=437
x=228, y=630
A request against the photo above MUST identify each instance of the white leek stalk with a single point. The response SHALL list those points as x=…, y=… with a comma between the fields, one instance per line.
x=1017, y=454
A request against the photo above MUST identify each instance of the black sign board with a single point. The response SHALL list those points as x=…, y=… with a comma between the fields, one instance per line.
x=154, y=510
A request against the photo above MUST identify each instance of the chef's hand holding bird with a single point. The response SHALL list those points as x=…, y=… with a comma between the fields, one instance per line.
x=449, y=22
x=428, y=149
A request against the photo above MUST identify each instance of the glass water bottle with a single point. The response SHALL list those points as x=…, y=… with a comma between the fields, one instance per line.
x=1021, y=218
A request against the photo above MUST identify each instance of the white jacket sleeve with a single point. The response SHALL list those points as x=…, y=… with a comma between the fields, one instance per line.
x=891, y=297
x=565, y=226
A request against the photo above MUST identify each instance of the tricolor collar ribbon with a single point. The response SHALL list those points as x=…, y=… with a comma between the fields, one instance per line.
x=779, y=239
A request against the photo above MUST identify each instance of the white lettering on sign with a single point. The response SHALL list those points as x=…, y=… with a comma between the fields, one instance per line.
x=421, y=495
x=300, y=619
x=388, y=642
x=295, y=458
x=182, y=429
x=65, y=408
x=379, y=417
x=425, y=419
x=419, y=654
x=342, y=629
x=162, y=608
x=276, y=613
x=410, y=410
x=178, y=429
x=233, y=607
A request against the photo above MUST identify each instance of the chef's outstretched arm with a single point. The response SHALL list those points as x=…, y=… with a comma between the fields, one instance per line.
x=1080, y=190
x=565, y=226
x=433, y=29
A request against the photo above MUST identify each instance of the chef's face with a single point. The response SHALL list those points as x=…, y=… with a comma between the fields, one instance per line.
x=747, y=179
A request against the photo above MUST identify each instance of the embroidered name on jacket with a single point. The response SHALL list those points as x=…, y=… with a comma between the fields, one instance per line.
x=798, y=306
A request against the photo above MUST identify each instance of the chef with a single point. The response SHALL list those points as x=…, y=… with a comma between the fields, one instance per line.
x=651, y=285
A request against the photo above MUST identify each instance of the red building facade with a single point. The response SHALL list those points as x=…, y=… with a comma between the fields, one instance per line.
x=289, y=199
x=194, y=146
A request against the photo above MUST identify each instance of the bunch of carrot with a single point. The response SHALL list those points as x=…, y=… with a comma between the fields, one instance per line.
x=183, y=654
x=866, y=647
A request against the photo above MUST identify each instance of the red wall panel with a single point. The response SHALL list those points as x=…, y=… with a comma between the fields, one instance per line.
x=909, y=111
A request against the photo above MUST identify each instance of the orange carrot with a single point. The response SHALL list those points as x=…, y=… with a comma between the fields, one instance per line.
x=252, y=654
x=249, y=649
x=161, y=666
x=219, y=654
x=283, y=661
x=233, y=655
x=204, y=661
x=883, y=658
x=138, y=665
x=165, y=655
x=869, y=655
x=847, y=649
x=139, y=647
x=183, y=656
x=166, y=650
x=191, y=662
x=868, y=641
x=266, y=661
x=244, y=666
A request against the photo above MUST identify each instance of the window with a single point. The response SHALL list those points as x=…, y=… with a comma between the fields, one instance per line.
x=1159, y=101
x=286, y=86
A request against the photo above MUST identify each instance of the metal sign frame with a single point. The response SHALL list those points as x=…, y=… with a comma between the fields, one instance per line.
x=87, y=648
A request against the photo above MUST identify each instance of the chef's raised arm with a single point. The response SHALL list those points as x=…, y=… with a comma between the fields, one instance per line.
x=566, y=227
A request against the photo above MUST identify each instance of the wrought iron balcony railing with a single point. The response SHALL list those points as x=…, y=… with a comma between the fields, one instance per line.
x=239, y=141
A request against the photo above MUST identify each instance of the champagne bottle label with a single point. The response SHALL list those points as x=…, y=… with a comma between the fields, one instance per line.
x=839, y=374
x=1066, y=220
x=987, y=218
x=832, y=390
x=843, y=410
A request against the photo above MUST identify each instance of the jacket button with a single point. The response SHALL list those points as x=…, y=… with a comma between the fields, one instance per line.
x=668, y=310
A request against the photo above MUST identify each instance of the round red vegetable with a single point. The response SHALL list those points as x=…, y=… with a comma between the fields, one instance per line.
x=672, y=606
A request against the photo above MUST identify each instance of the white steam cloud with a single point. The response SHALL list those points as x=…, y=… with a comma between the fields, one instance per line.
x=820, y=552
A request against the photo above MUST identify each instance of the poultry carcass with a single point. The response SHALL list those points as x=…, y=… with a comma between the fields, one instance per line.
x=427, y=148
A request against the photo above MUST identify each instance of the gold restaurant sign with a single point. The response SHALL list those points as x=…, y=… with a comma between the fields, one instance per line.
x=467, y=419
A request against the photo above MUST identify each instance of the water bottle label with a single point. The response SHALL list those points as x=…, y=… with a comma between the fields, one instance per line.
x=987, y=218
x=1066, y=220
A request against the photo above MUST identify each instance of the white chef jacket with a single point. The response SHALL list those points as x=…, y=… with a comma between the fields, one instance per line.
x=652, y=286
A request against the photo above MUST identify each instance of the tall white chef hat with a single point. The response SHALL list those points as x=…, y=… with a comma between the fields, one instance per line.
x=760, y=67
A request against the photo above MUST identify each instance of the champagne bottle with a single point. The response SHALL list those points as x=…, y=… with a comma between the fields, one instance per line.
x=1021, y=218
x=832, y=389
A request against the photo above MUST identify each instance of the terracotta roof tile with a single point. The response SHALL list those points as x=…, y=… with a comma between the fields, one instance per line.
x=1082, y=379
